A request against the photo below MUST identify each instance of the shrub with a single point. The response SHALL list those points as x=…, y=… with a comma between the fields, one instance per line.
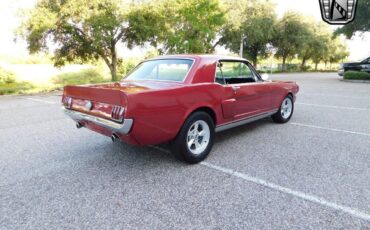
x=306, y=68
x=15, y=87
x=353, y=75
x=9, y=84
x=125, y=66
x=6, y=76
x=86, y=76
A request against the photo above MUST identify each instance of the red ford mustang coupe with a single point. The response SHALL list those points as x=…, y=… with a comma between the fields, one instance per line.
x=183, y=100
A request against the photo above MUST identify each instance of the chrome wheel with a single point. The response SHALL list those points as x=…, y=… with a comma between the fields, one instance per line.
x=286, y=108
x=198, y=137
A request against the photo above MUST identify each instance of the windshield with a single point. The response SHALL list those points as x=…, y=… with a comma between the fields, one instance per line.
x=366, y=60
x=163, y=70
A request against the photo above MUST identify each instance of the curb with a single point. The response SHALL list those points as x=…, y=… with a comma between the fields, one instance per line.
x=356, y=81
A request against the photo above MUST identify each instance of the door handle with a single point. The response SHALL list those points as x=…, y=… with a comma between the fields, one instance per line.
x=235, y=88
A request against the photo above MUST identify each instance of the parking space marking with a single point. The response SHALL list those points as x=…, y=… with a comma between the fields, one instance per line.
x=314, y=199
x=331, y=95
x=329, y=129
x=308, y=197
x=41, y=100
x=333, y=106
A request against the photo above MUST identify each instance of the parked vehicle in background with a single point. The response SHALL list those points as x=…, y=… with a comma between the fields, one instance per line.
x=361, y=66
x=183, y=99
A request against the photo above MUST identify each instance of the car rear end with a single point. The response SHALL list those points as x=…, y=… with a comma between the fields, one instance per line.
x=341, y=70
x=99, y=109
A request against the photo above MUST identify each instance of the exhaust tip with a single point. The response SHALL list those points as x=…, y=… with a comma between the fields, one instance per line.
x=114, y=137
x=79, y=125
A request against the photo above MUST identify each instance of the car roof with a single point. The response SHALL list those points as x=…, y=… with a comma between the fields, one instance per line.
x=208, y=57
x=204, y=69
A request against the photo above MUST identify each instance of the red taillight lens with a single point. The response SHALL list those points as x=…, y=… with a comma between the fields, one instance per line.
x=117, y=113
x=67, y=102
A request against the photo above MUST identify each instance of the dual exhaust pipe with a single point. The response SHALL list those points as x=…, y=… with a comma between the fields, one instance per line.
x=114, y=136
x=79, y=125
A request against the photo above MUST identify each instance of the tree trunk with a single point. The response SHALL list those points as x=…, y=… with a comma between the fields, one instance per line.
x=112, y=65
x=316, y=64
x=303, y=64
x=113, y=69
x=284, y=61
x=255, y=63
x=113, y=72
x=254, y=57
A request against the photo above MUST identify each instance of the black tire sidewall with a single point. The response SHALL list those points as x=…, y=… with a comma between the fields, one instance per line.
x=277, y=117
x=179, y=146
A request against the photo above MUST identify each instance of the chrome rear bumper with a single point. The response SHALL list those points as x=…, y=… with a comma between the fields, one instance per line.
x=124, y=128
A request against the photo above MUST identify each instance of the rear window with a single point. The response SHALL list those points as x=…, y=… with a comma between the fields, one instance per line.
x=162, y=70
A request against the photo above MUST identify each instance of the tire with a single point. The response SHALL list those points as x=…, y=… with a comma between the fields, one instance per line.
x=194, y=146
x=285, y=111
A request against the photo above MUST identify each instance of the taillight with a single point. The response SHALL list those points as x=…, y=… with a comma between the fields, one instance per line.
x=67, y=102
x=117, y=113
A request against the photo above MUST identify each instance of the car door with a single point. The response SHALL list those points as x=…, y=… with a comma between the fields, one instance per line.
x=251, y=95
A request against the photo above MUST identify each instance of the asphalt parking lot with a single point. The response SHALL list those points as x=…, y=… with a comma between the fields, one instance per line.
x=312, y=173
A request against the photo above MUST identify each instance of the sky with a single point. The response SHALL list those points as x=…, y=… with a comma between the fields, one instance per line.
x=9, y=20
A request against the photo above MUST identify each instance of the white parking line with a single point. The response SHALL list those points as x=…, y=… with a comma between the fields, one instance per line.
x=314, y=199
x=332, y=95
x=333, y=106
x=40, y=100
x=329, y=129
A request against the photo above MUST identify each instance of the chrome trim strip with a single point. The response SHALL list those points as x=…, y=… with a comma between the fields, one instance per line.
x=124, y=128
x=244, y=121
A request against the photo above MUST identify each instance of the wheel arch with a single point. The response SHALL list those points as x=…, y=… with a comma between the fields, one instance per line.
x=207, y=110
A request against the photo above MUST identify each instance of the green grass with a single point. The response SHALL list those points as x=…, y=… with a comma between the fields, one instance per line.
x=15, y=88
x=353, y=75
x=9, y=83
x=6, y=76
x=87, y=76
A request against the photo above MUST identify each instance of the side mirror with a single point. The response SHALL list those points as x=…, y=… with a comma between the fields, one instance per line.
x=265, y=76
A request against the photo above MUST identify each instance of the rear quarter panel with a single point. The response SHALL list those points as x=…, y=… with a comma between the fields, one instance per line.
x=279, y=90
x=159, y=115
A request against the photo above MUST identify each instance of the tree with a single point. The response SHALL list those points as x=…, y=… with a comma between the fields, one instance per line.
x=81, y=31
x=191, y=26
x=253, y=20
x=361, y=22
x=337, y=51
x=291, y=34
x=320, y=48
x=316, y=43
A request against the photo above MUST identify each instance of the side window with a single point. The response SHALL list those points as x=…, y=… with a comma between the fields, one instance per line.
x=219, y=74
x=234, y=72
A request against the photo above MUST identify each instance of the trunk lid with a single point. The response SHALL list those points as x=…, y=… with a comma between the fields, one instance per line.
x=115, y=93
x=101, y=100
